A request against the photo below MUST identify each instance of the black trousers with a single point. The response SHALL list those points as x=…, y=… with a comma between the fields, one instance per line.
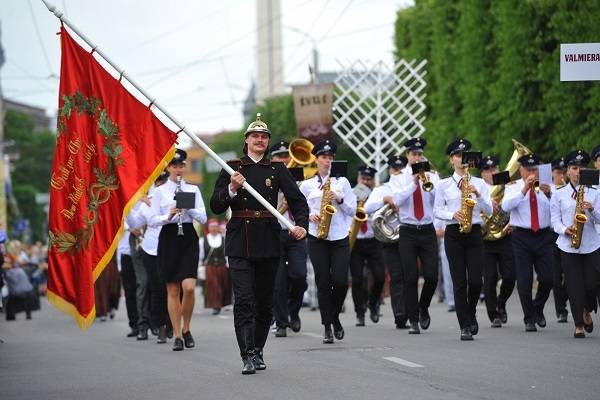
x=415, y=244
x=290, y=283
x=581, y=279
x=533, y=249
x=330, y=260
x=369, y=253
x=253, y=282
x=393, y=261
x=465, y=259
x=559, y=289
x=159, y=314
x=128, y=282
x=499, y=264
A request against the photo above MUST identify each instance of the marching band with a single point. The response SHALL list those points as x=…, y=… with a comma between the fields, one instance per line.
x=499, y=230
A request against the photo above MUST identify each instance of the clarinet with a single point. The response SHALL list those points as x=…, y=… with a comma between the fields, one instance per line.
x=180, y=216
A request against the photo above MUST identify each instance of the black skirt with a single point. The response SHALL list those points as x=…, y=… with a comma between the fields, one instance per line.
x=177, y=256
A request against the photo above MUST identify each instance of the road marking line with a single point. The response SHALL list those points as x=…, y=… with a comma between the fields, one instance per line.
x=403, y=362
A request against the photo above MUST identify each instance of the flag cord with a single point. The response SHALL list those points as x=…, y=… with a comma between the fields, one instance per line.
x=59, y=14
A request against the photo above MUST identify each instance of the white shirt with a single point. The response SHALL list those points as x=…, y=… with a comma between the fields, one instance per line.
x=164, y=199
x=375, y=201
x=340, y=221
x=287, y=214
x=562, y=211
x=448, y=199
x=404, y=198
x=517, y=204
x=214, y=241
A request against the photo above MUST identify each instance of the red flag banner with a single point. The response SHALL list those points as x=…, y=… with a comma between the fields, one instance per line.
x=109, y=150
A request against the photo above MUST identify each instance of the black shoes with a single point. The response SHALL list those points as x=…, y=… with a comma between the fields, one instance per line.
x=338, y=330
x=465, y=334
x=588, y=327
x=424, y=319
x=400, y=321
x=249, y=366
x=133, y=333
x=142, y=334
x=374, y=314
x=496, y=323
x=259, y=362
x=414, y=328
x=188, y=339
x=562, y=316
x=280, y=332
x=360, y=321
x=579, y=335
x=295, y=325
x=216, y=311
x=154, y=331
x=327, y=337
x=178, y=344
x=503, y=315
x=540, y=320
x=530, y=327
x=162, y=334
x=474, y=327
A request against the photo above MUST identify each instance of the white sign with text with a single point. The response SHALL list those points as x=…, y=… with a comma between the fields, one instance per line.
x=580, y=62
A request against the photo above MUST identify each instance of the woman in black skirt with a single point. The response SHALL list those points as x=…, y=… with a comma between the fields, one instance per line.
x=178, y=254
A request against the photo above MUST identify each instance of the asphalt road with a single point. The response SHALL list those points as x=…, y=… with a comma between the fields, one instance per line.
x=49, y=357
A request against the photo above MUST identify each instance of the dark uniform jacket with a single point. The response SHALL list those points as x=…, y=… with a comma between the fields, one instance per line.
x=257, y=237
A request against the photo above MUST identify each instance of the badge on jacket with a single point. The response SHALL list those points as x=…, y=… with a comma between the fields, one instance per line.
x=268, y=182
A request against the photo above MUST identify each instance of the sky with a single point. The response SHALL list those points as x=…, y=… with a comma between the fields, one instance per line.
x=197, y=58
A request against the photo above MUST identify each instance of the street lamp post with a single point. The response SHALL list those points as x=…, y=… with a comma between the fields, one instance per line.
x=315, y=67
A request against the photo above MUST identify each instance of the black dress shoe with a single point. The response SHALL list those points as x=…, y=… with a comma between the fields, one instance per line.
x=562, y=316
x=360, y=321
x=530, y=327
x=414, y=328
x=133, y=333
x=496, y=323
x=338, y=330
x=295, y=325
x=474, y=327
x=327, y=337
x=142, y=334
x=188, y=340
x=162, y=335
x=579, y=335
x=178, y=344
x=503, y=315
x=541, y=321
x=465, y=334
x=589, y=328
x=259, y=361
x=280, y=332
x=154, y=331
x=424, y=319
x=170, y=333
x=249, y=366
x=374, y=314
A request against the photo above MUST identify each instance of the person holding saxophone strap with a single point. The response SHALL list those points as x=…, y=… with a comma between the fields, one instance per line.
x=178, y=255
x=498, y=256
x=252, y=242
x=391, y=253
x=290, y=283
x=531, y=239
x=578, y=241
x=559, y=291
x=464, y=247
x=418, y=238
x=330, y=255
x=367, y=252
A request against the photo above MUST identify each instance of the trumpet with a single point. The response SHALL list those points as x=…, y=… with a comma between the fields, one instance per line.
x=536, y=185
x=427, y=185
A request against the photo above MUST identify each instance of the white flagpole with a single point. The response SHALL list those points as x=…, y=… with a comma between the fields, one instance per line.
x=59, y=14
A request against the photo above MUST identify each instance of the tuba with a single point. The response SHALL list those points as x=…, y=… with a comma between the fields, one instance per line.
x=579, y=219
x=327, y=211
x=386, y=226
x=496, y=225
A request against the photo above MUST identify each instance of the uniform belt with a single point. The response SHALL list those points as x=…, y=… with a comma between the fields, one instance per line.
x=546, y=229
x=417, y=227
x=251, y=214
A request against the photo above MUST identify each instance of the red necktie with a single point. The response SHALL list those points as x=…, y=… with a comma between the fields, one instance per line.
x=418, y=202
x=535, y=224
x=363, y=227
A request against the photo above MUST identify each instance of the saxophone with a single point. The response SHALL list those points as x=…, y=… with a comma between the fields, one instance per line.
x=327, y=211
x=467, y=205
x=359, y=217
x=579, y=220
